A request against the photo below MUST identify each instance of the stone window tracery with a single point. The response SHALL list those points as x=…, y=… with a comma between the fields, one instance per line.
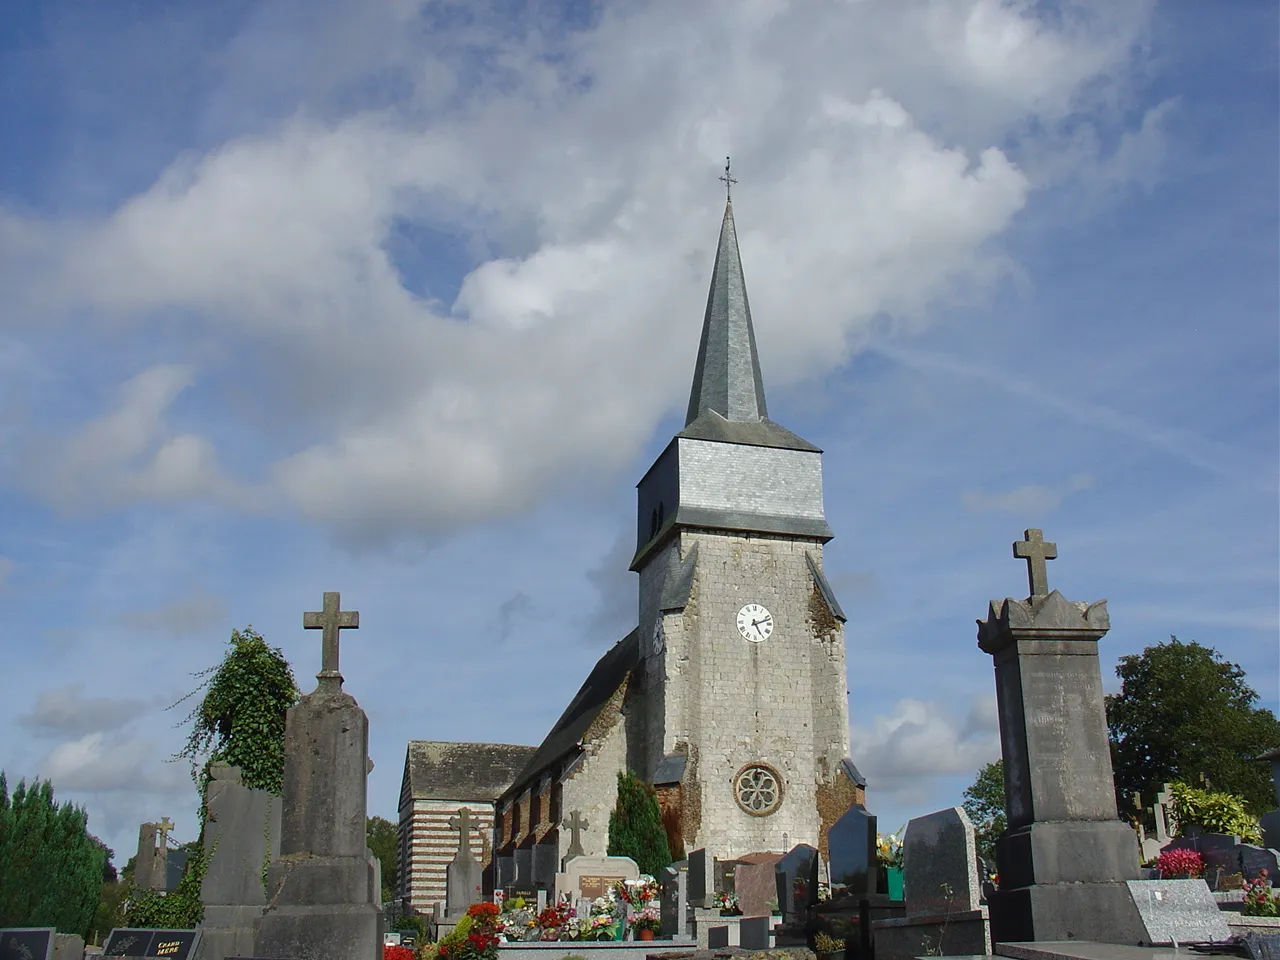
x=758, y=789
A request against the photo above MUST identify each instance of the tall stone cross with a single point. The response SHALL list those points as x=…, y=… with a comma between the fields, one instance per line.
x=163, y=828
x=331, y=619
x=575, y=824
x=462, y=823
x=1036, y=551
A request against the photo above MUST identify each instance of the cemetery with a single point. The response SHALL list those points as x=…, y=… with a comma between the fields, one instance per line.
x=745, y=822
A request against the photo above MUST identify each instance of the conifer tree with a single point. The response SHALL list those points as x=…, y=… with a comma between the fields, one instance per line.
x=50, y=867
x=635, y=826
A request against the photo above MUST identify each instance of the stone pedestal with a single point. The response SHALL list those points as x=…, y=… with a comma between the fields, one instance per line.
x=241, y=834
x=322, y=895
x=1065, y=856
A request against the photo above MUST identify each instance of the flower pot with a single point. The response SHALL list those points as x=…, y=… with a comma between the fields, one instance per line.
x=645, y=934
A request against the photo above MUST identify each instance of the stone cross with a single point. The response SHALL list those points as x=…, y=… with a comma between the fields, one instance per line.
x=163, y=827
x=331, y=619
x=1036, y=551
x=1163, y=799
x=462, y=823
x=575, y=824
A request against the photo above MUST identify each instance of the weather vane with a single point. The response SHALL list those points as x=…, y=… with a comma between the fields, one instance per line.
x=728, y=181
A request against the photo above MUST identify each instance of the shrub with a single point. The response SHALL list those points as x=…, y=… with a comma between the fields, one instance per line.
x=635, y=826
x=1213, y=812
x=1180, y=861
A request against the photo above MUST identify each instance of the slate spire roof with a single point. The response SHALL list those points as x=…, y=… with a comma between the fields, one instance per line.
x=727, y=379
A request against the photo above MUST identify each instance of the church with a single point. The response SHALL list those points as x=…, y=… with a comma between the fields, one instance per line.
x=729, y=696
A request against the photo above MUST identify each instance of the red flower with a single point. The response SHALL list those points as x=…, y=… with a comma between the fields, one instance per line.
x=393, y=952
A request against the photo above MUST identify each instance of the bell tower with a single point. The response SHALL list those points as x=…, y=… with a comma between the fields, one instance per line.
x=745, y=711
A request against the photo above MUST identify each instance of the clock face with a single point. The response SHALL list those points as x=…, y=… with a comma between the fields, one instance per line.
x=755, y=623
x=655, y=640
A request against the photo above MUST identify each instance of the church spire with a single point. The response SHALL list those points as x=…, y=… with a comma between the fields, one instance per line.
x=727, y=377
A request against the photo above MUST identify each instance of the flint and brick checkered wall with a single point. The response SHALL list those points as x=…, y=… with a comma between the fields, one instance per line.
x=428, y=844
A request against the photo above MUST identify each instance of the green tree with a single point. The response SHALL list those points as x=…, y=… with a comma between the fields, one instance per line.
x=51, y=868
x=240, y=720
x=984, y=803
x=1183, y=713
x=384, y=839
x=635, y=826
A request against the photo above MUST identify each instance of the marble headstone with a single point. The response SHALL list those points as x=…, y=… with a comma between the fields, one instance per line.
x=754, y=883
x=940, y=864
x=851, y=845
x=753, y=932
x=1178, y=910
x=675, y=901
x=796, y=879
x=701, y=871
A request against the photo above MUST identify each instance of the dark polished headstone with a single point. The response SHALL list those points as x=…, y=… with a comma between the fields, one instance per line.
x=701, y=868
x=134, y=942
x=505, y=867
x=797, y=882
x=523, y=879
x=21, y=943
x=546, y=864
x=717, y=937
x=851, y=845
x=753, y=932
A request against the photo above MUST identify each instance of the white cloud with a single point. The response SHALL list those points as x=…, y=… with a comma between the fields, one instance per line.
x=130, y=454
x=101, y=762
x=187, y=614
x=1027, y=500
x=902, y=752
x=66, y=711
x=870, y=144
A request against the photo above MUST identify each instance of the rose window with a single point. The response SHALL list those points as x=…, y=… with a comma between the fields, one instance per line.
x=758, y=790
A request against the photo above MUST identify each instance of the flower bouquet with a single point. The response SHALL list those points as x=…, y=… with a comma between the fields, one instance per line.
x=646, y=923
x=728, y=904
x=638, y=892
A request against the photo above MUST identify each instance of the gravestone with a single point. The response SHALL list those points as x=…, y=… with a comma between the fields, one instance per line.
x=1179, y=911
x=718, y=937
x=753, y=932
x=546, y=864
x=175, y=867
x=591, y=877
x=755, y=884
x=674, y=916
x=851, y=852
x=522, y=884
x=241, y=833
x=1151, y=846
x=463, y=874
x=1224, y=854
x=134, y=942
x=941, y=864
x=701, y=871
x=575, y=825
x=146, y=864
x=160, y=865
x=321, y=895
x=1270, y=821
x=796, y=883
x=1262, y=946
x=1067, y=863
x=26, y=943
x=504, y=871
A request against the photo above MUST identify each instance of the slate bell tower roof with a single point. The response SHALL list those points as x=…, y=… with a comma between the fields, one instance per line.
x=727, y=401
x=727, y=377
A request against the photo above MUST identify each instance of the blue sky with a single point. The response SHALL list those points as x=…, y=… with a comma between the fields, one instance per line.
x=402, y=299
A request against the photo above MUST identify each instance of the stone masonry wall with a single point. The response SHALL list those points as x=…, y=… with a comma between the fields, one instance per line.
x=781, y=703
x=592, y=788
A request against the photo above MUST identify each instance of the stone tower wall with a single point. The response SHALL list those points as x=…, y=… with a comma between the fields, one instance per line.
x=730, y=703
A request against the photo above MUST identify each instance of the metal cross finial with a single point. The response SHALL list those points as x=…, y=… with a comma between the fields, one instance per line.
x=1036, y=551
x=331, y=619
x=728, y=182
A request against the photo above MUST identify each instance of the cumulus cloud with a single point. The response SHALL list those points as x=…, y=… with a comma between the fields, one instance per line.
x=101, y=762
x=1027, y=500
x=901, y=752
x=67, y=712
x=129, y=454
x=577, y=172
x=188, y=614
